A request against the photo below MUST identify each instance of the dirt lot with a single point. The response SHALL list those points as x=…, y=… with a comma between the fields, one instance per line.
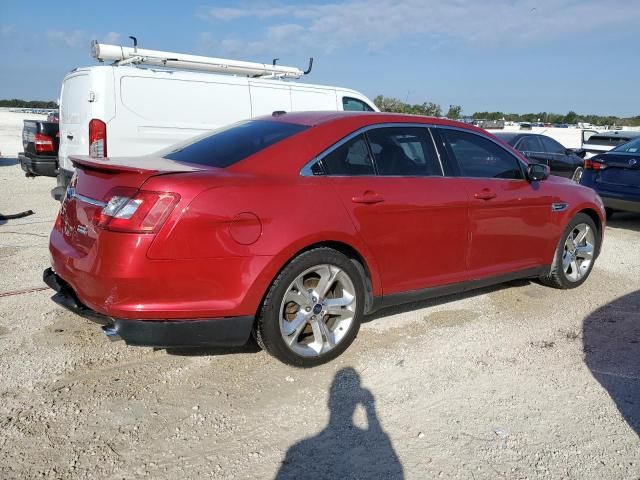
x=519, y=381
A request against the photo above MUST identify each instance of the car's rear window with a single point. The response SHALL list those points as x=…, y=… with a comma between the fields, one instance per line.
x=229, y=145
x=630, y=147
x=606, y=140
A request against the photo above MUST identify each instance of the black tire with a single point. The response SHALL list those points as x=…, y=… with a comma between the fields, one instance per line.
x=267, y=327
x=557, y=277
x=609, y=212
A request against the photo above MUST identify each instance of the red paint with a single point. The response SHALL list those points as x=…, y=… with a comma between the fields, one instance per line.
x=232, y=230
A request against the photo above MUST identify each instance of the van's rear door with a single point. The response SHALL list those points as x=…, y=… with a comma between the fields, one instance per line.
x=75, y=113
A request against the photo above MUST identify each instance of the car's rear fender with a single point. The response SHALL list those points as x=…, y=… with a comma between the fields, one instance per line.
x=243, y=217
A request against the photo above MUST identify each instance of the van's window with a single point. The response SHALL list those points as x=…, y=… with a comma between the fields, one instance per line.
x=229, y=145
x=481, y=158
x=350, y=158
x=354, y=105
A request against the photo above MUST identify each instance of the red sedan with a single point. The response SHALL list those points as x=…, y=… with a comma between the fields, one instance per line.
x=293, y=227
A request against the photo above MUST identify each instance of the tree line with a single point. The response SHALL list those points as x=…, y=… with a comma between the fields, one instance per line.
x=18, y=103
x=389, y=104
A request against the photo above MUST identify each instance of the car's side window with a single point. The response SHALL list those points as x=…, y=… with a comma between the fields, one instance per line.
x=354, y=105
x=350, y=158
x=404, y=151
x=530, y=143
x=551, y=146
x=480, y=157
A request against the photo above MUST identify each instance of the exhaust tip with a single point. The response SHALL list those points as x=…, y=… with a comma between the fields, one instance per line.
x=111, y=332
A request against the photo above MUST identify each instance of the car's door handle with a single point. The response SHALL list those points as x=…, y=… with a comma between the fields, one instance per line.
x=70, y=136
x=368, y=197
x=485, y=194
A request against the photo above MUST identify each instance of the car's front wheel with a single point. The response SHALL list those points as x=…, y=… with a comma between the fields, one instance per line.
x=312, y=311
x=575, y=254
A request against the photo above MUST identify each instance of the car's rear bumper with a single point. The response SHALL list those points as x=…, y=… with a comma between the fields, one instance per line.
x=39, y=166
x=210, y=332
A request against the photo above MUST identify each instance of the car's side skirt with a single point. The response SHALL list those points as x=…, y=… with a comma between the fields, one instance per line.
x=450, y=289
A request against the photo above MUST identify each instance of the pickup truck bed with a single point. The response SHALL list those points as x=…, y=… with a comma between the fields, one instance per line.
x=40, y=141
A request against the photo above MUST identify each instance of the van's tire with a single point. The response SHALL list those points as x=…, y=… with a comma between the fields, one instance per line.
x=575, y=254
x=300, y=320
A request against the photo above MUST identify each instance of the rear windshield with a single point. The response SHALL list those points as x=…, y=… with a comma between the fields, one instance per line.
x=606, y=140
x=630, y=147
x=229, y=145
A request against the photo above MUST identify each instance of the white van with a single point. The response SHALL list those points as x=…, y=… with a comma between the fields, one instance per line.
x=134, y=110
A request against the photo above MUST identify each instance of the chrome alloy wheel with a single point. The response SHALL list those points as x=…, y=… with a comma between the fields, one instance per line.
x=578, y=252
x=317, y=310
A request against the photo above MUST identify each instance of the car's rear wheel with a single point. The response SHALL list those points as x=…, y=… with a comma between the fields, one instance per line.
x=577, y=174
x=575, y=254
x=313, y=309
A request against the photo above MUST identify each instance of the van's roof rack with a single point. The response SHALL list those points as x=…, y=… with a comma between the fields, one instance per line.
x=121, y=55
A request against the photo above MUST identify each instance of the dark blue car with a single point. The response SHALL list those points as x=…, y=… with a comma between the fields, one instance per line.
x=615, y=175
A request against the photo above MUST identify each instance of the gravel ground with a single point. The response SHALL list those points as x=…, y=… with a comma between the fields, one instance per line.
x=518, y=381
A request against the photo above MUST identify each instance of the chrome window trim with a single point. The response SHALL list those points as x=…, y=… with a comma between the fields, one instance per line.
x=305, y=171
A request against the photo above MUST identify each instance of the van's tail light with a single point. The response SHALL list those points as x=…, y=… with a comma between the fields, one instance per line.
x=43, y=143
x=141, y=212
x=593, y=164
x=97, y=139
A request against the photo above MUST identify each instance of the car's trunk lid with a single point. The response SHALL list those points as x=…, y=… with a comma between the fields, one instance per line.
x=621, y=170
x=96, y=180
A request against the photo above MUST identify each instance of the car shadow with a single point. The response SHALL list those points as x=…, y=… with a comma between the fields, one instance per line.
x=344, y=450
x=625, y=220
x=433, y=302
x=250, y=347
x=8, y=161
x=611, y=343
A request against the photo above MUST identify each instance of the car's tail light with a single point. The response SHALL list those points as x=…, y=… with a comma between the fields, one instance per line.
x=97, y=139
x=141, y=212
x=43, y=143
x=592, y=164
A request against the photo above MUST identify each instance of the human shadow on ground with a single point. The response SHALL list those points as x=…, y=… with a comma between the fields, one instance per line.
x=8, y=161
x=343, y=450
x=611, y=342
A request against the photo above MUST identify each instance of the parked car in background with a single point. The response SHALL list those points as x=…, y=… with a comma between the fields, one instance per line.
x=615, y=175
x=40, y=142
x=131, y=109
x=594, y=142
x=53, y=117
x=216, y=238
x=564, y=162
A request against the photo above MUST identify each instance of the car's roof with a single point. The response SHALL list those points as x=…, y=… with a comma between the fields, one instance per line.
x=507, y=136
x=617, y=133
x=322, y=117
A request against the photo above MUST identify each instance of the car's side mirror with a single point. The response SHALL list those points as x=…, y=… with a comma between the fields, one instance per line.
x=537, y=172
x=581, y=152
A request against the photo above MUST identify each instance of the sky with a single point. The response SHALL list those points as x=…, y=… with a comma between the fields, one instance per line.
x=499, y=55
